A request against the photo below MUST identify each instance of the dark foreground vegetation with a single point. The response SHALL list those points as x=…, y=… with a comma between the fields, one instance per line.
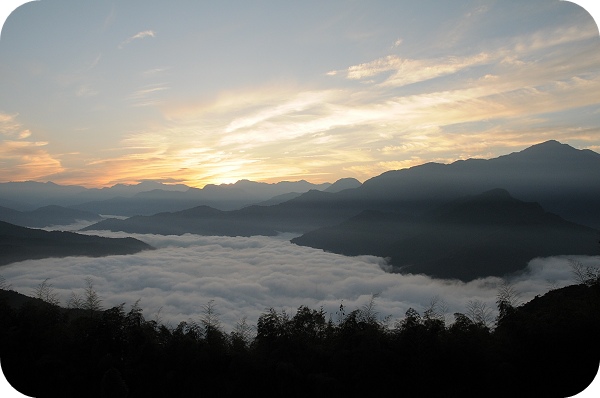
x=547, y=347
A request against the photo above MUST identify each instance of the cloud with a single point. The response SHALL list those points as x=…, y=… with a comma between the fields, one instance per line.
x=23, y=159
x=391, y=111
x=9, y=125
x=246, y=276
x=147, y=95
x=140, y=35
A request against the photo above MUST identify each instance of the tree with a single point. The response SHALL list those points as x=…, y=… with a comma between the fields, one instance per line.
x=308, y=324
x=241, y=336
x=436, y=311
x=3, y=284
x=45, y=291
x=75, y=301
x=90, y=300
x=368, y=314
x=479, y=313
x=584, y=275
x=507, y=300
x=210, y=318
x=271, y=326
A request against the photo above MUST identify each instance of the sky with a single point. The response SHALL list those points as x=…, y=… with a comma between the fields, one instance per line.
x=96, y=93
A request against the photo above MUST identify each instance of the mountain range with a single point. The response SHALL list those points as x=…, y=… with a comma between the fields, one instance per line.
x=549, y=192
x=463, y=220
x=46, y=216
x=148, y=197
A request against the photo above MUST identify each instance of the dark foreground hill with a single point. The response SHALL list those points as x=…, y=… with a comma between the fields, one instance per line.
x=490, y=234
x=19, y=243
x=545, y=348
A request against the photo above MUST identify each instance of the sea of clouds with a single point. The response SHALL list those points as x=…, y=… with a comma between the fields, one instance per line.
x=245, y=276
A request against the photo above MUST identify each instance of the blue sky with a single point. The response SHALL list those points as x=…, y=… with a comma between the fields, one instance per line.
x=96, y=93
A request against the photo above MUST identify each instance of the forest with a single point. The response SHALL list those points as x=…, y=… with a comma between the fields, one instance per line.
x=545, y=347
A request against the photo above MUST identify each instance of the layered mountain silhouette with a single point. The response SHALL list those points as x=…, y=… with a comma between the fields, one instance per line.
x=461, y=220
x=222, y=197
x=490, y=234
x=30, y=195
x=147, y=197
x=564, y=180
x=46, y=216
x=304, y=213
x=20, y=243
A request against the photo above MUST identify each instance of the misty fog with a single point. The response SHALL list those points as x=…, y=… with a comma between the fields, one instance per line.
x=246, y=276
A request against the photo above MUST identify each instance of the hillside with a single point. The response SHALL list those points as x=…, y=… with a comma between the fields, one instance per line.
x=19, y=243
x=562, y=179
x=490, y=234
x=546, y=347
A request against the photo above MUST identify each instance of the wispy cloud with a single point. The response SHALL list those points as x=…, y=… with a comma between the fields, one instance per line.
x=147, y=95
x=137, y=36
x=22, y=159
x=408, y=71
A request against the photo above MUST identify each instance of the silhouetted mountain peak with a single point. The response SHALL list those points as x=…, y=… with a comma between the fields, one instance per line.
x=342, y=184
x=551, y=151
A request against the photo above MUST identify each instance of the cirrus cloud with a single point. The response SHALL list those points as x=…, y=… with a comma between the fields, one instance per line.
x=137, y=36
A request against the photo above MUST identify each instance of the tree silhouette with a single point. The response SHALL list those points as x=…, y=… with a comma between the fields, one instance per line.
x=45, y=292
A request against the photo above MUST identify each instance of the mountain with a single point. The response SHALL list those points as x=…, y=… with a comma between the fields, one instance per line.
x=309, y=211
x=564, y=180
x=46, y=216
x=223, y=197
x=275, y=200
x=339, y=185
x=490, y=234
x=202, y=220
x=559, y=177
x=342, y=184
x=20, y=243
x=29, y=195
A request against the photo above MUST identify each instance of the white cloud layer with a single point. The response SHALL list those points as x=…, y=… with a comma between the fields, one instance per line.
x=246, y=276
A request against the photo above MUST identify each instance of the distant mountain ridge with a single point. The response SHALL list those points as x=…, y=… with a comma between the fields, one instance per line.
x=223, y=197
x=147, y=197
x=20, y=243
x=30, y=195
x=46, y=216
